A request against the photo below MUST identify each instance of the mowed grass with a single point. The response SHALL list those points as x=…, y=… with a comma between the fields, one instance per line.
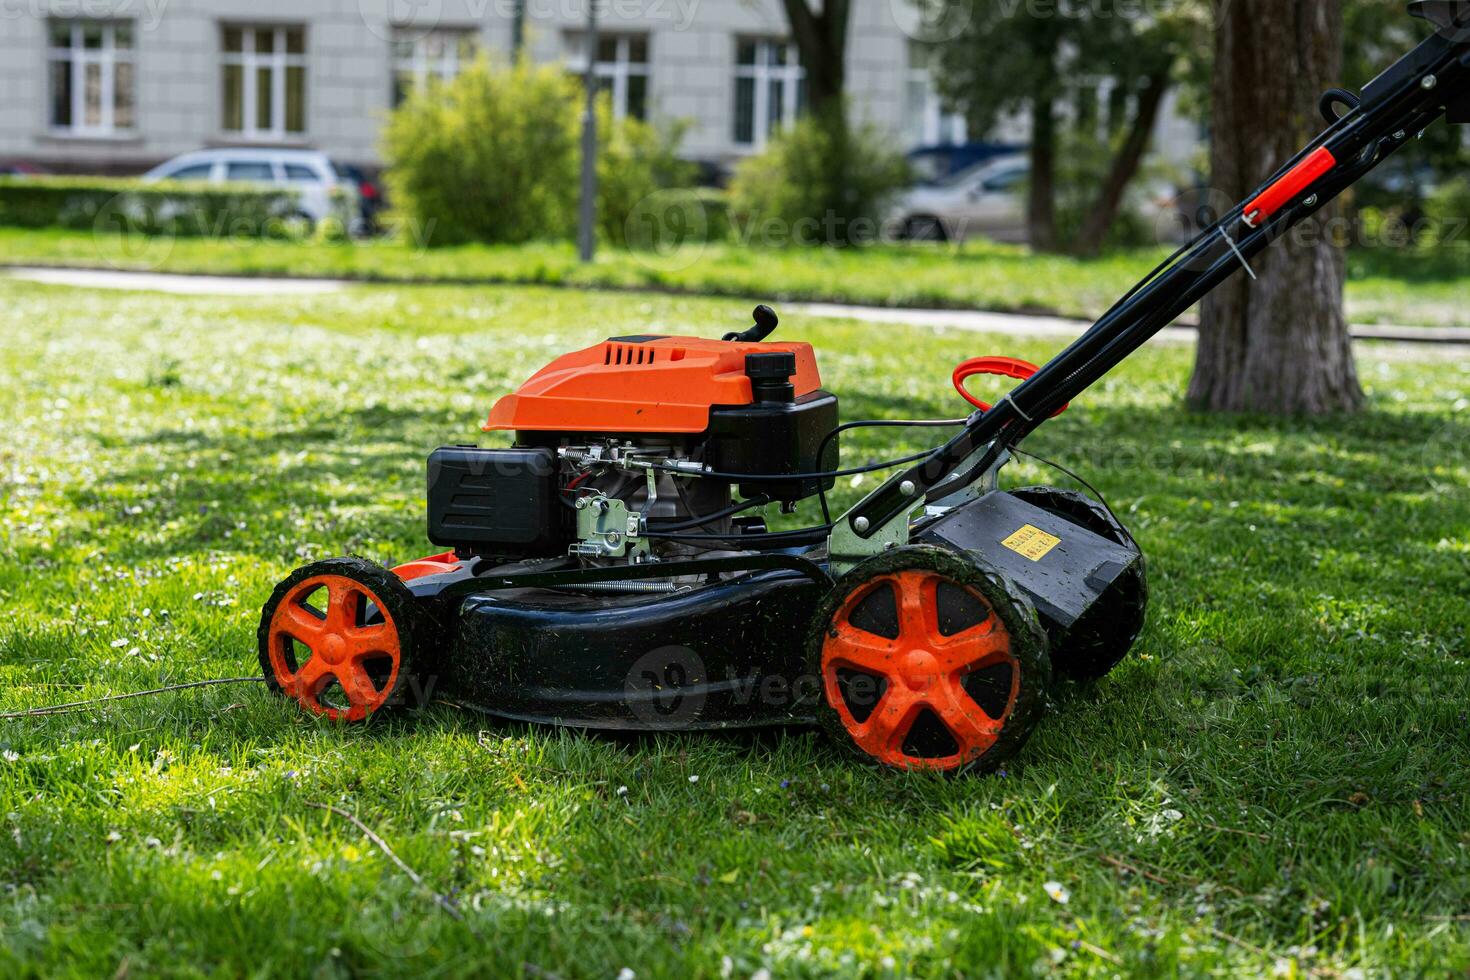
x=1276, y=780
x=1385, y=285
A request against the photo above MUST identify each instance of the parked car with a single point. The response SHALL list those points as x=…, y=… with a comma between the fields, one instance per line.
x=983, y=199
x=932, y=164
x=986, y=200
x=312, y=175
x=19, y=170
x=370, y=197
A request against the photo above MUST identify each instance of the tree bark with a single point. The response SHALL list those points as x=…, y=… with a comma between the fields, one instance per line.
x=821, y=37
x=1124, y=166
x=1278, y=344
x=1041, y=195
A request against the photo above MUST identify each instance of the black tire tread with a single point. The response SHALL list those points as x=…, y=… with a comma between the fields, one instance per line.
x=415, y=626
x=1028, y=643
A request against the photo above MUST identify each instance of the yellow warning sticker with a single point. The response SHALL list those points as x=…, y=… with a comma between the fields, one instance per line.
x=1032, y=542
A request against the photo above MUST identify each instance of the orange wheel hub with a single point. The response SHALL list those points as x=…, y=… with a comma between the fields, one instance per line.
x=891, y=674
x=334, y=648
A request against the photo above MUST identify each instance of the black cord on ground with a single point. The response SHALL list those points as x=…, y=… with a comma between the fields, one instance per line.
x=60, y=709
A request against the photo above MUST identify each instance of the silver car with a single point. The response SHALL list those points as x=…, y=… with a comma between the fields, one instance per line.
x=987, y=200
x=312, y=175
x=984, y=199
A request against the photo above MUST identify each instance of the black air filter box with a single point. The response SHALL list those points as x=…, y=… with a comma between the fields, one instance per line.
x=496, y=501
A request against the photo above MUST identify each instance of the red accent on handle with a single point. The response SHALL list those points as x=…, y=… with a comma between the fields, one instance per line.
x=1292, y=183
x=1006, y=367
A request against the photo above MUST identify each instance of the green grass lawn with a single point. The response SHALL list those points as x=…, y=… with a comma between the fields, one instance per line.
x=1395, y=286
x=1276, y=780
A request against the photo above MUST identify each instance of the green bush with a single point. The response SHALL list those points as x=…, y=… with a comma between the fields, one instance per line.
x=677, y=216
x=638, y=173
x=495, y=156
x=489, y=157
x=158, y=208
x=821, y=181
x=1446, y=218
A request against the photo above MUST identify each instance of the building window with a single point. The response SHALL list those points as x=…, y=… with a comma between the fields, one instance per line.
x=90, y=63
x=264, y=89
x=423, y=58
x=622, y=69
x=927, y=121
x=770, y=88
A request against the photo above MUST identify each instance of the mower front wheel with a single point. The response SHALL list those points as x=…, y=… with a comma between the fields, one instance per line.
x=342, y=638
x=926, y=659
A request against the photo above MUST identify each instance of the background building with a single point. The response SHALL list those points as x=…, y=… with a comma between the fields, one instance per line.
x=155, y=78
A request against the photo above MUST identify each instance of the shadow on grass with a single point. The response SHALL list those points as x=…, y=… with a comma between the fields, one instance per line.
x=1296, y=564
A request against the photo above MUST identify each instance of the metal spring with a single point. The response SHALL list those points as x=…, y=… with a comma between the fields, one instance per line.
x=631, y=586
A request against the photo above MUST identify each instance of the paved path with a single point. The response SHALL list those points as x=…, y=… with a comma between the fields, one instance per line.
x=1012, y=324
x=1050, y=326
x=158, y=282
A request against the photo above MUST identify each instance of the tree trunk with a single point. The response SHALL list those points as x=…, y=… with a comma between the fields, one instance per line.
x=1124, y=167
x=821, y=37
x=1041, y=196
x=1279, y=344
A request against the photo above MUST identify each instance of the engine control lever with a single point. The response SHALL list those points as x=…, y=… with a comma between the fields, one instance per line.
x=765, y=324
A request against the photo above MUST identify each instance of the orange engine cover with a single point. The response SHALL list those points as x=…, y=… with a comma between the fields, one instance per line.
x=654, y=384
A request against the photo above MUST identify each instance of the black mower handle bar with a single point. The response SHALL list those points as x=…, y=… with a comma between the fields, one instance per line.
x=1431, y=81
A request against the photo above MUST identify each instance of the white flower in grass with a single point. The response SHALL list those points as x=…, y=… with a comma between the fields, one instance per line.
x=10, y=756
x=1057, y=893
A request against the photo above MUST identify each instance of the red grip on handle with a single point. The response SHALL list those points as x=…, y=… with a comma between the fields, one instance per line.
x=1006, y=367
x=1292, y=183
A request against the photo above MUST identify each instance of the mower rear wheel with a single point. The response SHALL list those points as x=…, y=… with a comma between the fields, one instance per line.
x=927, y=659
x=341, y=638
x=1099, y=641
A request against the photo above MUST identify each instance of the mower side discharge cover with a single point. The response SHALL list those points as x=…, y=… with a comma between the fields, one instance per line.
x=1062, y=567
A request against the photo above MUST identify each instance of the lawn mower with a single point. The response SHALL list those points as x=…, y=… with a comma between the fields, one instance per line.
x=612, y=567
